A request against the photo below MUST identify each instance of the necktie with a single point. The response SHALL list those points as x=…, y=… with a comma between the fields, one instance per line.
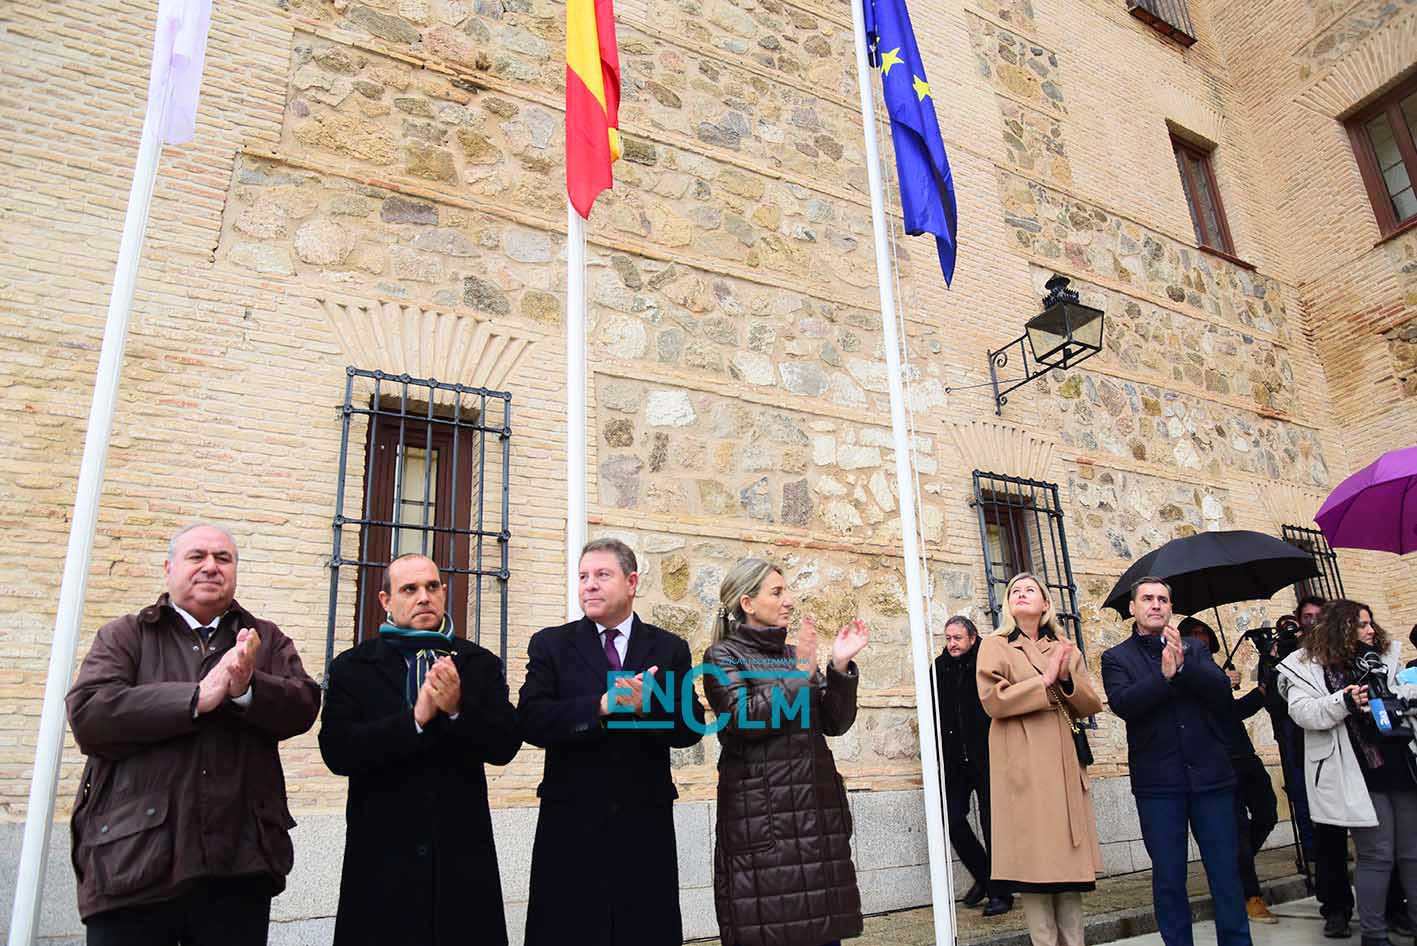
x=611, y=654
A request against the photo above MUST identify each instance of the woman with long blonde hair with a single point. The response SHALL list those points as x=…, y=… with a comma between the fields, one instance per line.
x=1035, y=687
x=782, y=868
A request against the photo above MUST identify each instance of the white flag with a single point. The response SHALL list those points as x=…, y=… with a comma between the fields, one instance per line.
x=179, y=50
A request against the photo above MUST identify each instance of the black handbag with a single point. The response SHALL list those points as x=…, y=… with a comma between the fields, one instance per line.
x=1080, y=743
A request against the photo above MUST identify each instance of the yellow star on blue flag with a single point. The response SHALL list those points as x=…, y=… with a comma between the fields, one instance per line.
x=927, y=193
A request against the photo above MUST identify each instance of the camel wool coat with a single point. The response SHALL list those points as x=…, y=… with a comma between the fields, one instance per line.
x=1044, y=828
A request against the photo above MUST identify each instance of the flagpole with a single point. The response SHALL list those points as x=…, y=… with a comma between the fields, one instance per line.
x=575, y=407
x=49, y=751
x=941, y=874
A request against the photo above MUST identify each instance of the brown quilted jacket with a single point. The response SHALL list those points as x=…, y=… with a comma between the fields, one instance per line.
x=782, y=869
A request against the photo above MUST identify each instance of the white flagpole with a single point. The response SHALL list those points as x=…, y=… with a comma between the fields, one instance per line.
x=39, y=815
x=941, y=875
x=575, y=407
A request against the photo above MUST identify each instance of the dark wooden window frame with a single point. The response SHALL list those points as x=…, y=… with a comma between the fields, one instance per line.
x=1390, y=104
x=451, y=510
x=1221, y=243
x=1013, y=530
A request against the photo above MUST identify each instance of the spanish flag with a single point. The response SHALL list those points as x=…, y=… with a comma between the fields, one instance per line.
x=592, y=101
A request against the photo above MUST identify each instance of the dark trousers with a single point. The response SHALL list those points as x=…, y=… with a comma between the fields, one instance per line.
x=227, y=912
x=960, y=784
x=1256, y=814
x=1289, y=738
x=1211, y=818
x=1332, y=884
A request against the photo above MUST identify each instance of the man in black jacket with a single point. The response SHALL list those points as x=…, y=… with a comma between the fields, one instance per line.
x=964, y=740
x=411, y=717
x=604, y=865
x=1256, y=807
x=1173, y=699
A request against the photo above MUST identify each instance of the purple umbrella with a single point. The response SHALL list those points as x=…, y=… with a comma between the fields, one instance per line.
x=1375, y=508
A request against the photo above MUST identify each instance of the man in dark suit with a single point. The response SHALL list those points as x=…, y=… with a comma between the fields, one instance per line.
x=1175, y=701
x=411, y=717
x=1256, y=807
x=604, y=866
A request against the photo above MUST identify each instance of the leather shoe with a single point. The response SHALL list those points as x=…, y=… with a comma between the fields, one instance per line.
x=1258, y=911
x=976, y=895
x=998, y=906
x=1336, y=926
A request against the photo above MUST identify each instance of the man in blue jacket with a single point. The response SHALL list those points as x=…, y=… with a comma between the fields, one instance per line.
x=1175, y=701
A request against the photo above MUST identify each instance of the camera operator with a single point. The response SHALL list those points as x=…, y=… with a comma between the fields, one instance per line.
x=1256, y=808
x=1357, y=777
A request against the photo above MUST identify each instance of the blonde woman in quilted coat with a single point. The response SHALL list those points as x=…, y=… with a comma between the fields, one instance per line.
x=782, y=870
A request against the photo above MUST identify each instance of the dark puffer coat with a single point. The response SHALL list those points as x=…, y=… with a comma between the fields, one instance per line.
x=782, y=871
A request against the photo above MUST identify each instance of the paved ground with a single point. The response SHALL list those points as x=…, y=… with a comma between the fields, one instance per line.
x=1299, y=925
x=1121, y=907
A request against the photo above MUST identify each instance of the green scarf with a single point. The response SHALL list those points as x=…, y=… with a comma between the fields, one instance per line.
x=419, y=649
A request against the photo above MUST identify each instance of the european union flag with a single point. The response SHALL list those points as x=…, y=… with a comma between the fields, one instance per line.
x=927, y=190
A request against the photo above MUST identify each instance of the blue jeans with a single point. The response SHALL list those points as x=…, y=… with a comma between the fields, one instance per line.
x=1211, y=817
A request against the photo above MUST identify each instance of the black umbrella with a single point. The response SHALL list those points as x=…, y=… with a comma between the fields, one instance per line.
x=1209, y=569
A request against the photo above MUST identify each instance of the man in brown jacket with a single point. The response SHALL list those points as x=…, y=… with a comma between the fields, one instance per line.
x=180, y=831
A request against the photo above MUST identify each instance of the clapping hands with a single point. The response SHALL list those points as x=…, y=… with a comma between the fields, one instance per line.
x=849, y=642
x=1060, y=663
x=1173, y=655
x=441, y=692
x=629, y=692
x=231, y=677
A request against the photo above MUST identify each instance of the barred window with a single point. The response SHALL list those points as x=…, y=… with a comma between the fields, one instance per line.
x=1021, y=530
x=432, y=478
x=1328, y=584
x=1170, y=18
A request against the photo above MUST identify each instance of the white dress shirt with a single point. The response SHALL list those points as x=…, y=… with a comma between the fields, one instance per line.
x=211, y=626
x=622, y=642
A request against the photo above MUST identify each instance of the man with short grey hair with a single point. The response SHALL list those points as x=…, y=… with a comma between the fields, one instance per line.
x=181, y=833
x=607, y=787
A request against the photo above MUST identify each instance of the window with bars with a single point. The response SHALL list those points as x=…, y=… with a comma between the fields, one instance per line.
x=435, y=480
x=1202, y=196
x=1170, y=18
x=1328, y=584
x=1021, y=530
x=1384, y=137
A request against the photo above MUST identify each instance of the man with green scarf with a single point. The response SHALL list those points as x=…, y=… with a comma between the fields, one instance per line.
x=412, y=717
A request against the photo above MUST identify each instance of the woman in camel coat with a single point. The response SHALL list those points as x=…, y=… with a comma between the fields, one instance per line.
x=1031, y=677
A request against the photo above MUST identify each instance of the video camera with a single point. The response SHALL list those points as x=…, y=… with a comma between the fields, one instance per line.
x=1276, y=643
x=1393, y=715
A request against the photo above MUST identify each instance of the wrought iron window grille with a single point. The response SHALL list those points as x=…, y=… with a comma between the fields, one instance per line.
x=1021, y=529
x=425, y=489
x=1328, y=584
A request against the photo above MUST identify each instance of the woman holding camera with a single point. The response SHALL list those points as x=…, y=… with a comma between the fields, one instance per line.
x=1357, y=778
